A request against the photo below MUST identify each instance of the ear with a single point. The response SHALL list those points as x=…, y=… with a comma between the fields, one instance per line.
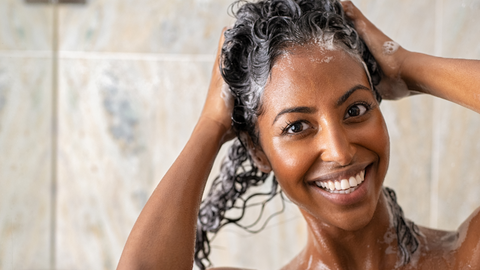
x=258, y=156
x=260, y=159
x=256, y=152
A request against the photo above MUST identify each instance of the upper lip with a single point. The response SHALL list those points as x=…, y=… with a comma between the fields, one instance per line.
x=337, y=175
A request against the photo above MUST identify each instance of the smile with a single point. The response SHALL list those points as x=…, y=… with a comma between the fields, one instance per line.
x=344, y=186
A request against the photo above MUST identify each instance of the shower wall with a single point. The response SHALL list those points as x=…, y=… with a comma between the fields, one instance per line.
x=25, y=135
x=91, y=119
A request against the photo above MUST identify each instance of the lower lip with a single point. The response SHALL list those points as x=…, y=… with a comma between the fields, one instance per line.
x=351, y=198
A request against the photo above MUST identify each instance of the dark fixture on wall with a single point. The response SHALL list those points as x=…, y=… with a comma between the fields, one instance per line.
x=56, y=1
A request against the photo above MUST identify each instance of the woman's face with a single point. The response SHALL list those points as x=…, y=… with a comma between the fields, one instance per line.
x=321, y=124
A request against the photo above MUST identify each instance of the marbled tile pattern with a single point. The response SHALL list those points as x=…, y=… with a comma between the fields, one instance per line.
x=25, y=27
x=459, y=127
x=122, y=123
x=148, y=26
x=460, y=29
x=411, y=23
x=459, y=165
x=25, y=163
x=409, y=123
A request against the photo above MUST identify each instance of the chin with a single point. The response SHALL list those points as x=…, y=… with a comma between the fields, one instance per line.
x=353, y=219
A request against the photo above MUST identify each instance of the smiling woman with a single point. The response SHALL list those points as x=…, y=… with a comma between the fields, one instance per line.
x=305, y=108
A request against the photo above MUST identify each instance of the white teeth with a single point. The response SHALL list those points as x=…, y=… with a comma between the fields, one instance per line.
x=344, y=184
x=338, y=185
x=331, y=186
x=352, y=181
x=358, y=178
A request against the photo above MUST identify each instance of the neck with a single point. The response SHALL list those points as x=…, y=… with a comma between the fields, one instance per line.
x=372, y=247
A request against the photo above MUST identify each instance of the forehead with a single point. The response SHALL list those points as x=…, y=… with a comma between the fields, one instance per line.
x=312, y=74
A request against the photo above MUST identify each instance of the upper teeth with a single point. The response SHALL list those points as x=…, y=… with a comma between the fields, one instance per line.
x=346, y=185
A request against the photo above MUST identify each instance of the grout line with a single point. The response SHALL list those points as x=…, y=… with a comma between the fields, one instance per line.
x=436, y=134
x=108, y=55
x=54, y=138
x=26, y=53
x=137, y=56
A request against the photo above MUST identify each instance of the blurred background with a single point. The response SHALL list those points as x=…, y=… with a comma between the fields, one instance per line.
x=97, y=100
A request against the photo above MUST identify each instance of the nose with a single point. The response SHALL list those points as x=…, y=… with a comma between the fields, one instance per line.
x=336, y=146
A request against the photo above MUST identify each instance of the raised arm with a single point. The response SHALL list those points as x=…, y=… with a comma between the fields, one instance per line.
x=164, y=234
x=456, y=80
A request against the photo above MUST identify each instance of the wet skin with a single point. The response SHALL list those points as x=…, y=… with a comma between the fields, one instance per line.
x=310, y=132
x=321, y=121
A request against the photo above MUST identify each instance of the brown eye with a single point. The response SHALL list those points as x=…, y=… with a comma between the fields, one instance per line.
x=296, y=127
x=356, y=110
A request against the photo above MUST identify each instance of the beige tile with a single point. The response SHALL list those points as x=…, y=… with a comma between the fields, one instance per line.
x=122, y=124
x=459, y=147
x=411, y=23
x=149, y=26
x=25, y=163
x=460, y=29
x=25, y=26
x=409, y=122
x=459, y=153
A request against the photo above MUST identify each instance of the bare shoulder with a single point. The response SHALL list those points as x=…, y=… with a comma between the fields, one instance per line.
x=469, y=239
x=458, y=249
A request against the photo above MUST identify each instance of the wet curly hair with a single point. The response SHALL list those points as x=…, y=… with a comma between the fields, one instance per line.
x=264, y=31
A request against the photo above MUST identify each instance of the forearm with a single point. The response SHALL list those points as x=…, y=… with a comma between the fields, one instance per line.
x=456, y=80
x=164, y=234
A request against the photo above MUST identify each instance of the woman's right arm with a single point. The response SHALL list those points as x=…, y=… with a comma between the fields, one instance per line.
x=164, y=234
x=456, y=80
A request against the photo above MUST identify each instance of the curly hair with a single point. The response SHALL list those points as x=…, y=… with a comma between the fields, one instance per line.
x=263, y=32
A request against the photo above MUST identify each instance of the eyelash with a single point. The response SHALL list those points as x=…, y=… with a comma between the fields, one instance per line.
x=289, y=124
x=368, y=106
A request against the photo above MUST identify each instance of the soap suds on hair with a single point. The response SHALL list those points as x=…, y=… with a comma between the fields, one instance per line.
x=390, y=47
x=326, y=41
x=368, y=74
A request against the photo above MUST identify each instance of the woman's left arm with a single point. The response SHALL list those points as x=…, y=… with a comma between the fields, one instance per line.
x=456, y=80
x=407, y=73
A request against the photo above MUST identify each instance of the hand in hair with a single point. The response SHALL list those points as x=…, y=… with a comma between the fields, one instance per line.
x=219, y=103
x=388, y=54
x=407, y=73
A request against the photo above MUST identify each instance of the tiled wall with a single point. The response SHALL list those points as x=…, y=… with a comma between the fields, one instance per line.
x=25, y=135
x=132, y=77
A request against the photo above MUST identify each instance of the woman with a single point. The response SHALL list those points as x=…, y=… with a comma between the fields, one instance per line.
x=305, y=107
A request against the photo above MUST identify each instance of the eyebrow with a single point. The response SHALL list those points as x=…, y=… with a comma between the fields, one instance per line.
x=311, y=110
x=345, y=96
x=308, y=110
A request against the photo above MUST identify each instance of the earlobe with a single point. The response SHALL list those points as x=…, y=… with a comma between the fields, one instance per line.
x=257, y=154
x=260, y=159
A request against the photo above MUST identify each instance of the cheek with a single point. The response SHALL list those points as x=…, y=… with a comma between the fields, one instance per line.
x=374, y=136
x=289, y=162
